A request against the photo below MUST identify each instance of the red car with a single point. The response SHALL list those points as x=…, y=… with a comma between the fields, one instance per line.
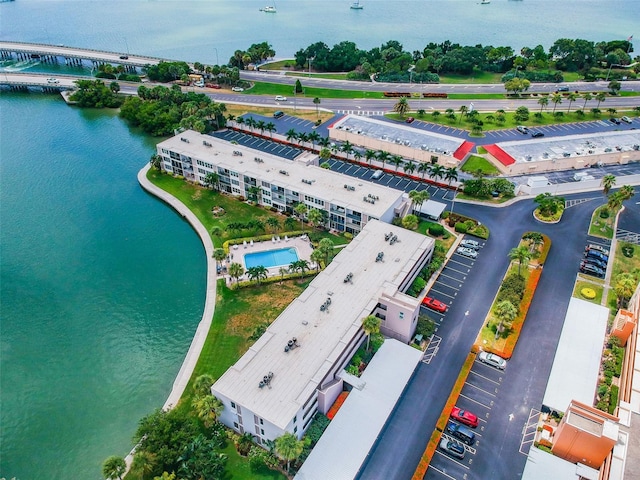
x=434, y=304
x=463, y=416
x=409, y=120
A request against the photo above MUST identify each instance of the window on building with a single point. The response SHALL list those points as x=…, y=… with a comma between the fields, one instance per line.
x=261, y=431
x=261, y=422
x=295, y=429
x=233, y=405
x=235, y=425
x=295, y=419
x=401, y=315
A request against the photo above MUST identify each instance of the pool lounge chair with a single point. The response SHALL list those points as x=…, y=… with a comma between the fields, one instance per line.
x=286, y=239
x=251, y=243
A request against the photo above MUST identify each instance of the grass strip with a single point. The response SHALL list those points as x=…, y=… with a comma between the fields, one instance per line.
x=432, y=445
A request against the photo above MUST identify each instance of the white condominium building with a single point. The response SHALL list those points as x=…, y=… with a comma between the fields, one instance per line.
x=296, y=367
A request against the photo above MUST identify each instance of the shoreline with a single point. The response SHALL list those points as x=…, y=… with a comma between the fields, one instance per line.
x=193, y=354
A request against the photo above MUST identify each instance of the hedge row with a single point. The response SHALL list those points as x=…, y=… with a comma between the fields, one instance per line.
x=435, y=95
x=464, y=224
x=518, y=322
x=441, y=424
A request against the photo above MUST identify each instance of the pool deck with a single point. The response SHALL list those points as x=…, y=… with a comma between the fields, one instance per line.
x=301, y=244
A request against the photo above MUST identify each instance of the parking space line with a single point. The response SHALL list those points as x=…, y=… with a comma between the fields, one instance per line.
x=442, y=294
x=486, y=378
x=478, y=403
x=453, y=278
x=453, y=460
x=458, y=271
x=481, y=389
x=443, y=473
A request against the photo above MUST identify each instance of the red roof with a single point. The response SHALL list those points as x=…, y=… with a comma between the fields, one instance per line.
x=502, y=156
x=463, y=149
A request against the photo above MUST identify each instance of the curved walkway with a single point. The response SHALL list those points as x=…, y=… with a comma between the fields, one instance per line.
x=200, y=336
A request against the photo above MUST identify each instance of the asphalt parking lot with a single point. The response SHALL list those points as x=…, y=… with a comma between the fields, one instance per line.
x=260, y=144
x=477, y=396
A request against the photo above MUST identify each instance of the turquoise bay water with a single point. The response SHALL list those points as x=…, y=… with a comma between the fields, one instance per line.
x=101, y=288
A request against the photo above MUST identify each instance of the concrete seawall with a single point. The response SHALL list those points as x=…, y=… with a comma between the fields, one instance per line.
x=200, y=336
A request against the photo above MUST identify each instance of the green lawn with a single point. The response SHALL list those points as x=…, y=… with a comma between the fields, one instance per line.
x=309, y=92
x=622, y=264
x=597, y=287
x=475, y=77
x=601, y=227
x=330, y=76
x=475, y=163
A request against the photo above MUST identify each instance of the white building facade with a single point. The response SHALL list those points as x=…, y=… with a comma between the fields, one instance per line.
x=347, y=203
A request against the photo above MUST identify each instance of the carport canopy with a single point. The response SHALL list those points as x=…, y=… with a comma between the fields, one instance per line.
x=432, y=209
x=574, y=374
x=346, y=442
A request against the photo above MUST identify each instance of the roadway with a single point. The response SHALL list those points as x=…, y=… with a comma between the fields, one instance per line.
x=99, y=56
x=510, y=397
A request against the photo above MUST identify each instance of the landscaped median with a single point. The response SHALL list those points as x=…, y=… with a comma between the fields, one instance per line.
x=509, y=309
x=441, y=424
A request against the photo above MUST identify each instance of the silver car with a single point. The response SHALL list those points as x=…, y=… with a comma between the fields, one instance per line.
x=493, y=360
x=470, y=244
x=452, y=447
x=467, y=252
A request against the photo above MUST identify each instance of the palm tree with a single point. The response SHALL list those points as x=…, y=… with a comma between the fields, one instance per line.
x=572, y=98
x=143, y=463
x=521, y=255
x=261, y=125
x=303, y=138
x=626, y=192
x=357, y=155
x=369, y=155
x=402, y=107
x=624, y=287
x=283, y=271
x=270, y=127
x=257, y=273
x=397, y=161
x=505, y=311
x=211, y=180
x=114, y=467
x=202, y=384
x=543, y=102
x=463, y=109
x=326, y=247
x=347, y=148
x=383, y=157
x=288, y=447
x=253, y=193
x=236, y=271
x=208, y=409
x=414, y=196
x=244, y=443
x=303, y=266
x=301, y=209
x=313, y=138
x=437, y=172
x=250, y=122
x=315, y=217
x=410, y=167
x=424, y=168
x=289, y=223
x=600, y=97
x=370, y=324
x=587, y=96
x=324, y=142
x=317, y=257
x=316, y=102
x=451, y=175
x=291, y=135
x=273, y=223
x=607, y=183
x=556, y=98
x=240, y=121
x=535, y=239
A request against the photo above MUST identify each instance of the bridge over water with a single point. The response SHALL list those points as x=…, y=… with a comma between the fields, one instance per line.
x=72, y=55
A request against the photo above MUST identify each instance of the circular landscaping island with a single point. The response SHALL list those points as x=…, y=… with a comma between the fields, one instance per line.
x=588, y=293
x=550, y=208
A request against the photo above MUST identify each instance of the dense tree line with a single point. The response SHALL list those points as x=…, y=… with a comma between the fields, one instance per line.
x=95, y=94
x=167, y=71
x=390, y=62
x=256, y=53
x=160, y=111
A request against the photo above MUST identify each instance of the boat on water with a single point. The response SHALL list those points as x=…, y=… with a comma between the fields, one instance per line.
x=269, y=9
x=356, y=5
x=485, y=2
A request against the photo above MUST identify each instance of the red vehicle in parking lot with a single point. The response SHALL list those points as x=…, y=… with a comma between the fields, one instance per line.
x=464, y=416
x=434, y=304
x=213, y=85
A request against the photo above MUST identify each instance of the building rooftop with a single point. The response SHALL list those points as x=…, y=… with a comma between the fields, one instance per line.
x=321, y=334
x=298, y=175
x=363, y=415
x=550, y=148
x=543, y=465
x=574, y=374
x=399, y=134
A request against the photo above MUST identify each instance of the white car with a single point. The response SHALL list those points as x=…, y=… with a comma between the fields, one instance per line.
x=467, y=252
x=493, y=360
x=53, y=80
x=625, y=119
x=280, y=98
x=237, y=89
x=470, y=244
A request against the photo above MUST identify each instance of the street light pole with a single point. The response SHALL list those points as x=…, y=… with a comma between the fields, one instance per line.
x=217, y=60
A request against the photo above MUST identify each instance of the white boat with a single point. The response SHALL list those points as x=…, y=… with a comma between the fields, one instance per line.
x=269, y=9
x=356, y=5
x=485, y=2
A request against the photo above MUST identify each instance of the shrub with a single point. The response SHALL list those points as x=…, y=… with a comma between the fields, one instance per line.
x=418, y=284
x=628, y=251
x=613, y=399
x=425, y=326
x=436, y=229
x=461, y=227
x=604, y=213
x=318, y=425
